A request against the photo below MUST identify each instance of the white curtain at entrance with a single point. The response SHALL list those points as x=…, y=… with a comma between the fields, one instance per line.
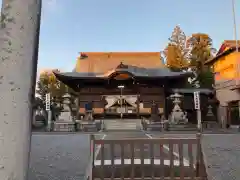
x=111, y=100
x=131, y=100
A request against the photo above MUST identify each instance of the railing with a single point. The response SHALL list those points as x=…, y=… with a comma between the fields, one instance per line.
x=159, y=161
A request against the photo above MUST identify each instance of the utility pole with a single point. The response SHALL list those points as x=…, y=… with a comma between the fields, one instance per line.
x=237, y=50
x=234, y=24
x=18, y=48
x=236, y=42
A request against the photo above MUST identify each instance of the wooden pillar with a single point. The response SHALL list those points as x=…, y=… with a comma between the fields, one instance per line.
x=165, y=102
x=138, y=92
x=104, y=102
x=138, y=106
x=78, y=106
x=18, y=48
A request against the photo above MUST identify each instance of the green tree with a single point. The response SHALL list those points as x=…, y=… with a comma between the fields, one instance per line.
x=38, y=103
x=176, y=53
x=48, y=83
x=201, y=49
x=73, y=95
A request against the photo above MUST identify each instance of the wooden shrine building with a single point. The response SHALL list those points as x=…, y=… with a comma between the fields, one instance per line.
x=132, y=80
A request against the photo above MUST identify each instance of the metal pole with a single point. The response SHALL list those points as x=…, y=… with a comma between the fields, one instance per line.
x=18, y=30
x=238, y=63
x=237, y=82
x=121, y=103
x=234, y=24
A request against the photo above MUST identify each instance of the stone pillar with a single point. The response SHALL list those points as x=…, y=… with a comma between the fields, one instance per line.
x=239, y=111
x=18, y=49
x=223, y=114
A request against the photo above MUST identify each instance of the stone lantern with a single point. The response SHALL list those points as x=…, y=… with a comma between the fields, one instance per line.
x=177, y=116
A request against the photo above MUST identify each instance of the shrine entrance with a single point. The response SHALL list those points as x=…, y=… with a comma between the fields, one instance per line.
x=121, y=106
x=122, y=93
x=121, y=112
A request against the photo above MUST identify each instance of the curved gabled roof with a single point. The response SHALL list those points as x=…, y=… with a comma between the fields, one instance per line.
x=76, y=79
x=134, y=71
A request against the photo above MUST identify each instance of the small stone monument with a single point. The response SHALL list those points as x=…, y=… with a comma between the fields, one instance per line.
x=210, y=112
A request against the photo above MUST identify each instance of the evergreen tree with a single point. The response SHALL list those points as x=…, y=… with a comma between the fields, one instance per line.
x=176, y=53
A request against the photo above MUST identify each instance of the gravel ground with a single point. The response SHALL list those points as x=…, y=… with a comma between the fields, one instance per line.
x=222, y=156
x=65, y=156
x=59, y=156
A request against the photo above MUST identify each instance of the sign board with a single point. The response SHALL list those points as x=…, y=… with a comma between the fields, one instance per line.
x=196, y=100
x=48, y=102
x=130, y=111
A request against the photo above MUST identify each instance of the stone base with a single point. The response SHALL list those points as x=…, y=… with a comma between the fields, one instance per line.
x=181, y=127
x=152, y=126
x=90, y=126
x=64, y=126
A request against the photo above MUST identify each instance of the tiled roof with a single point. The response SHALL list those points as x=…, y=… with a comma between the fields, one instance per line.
x=224, y=53
x=102, y=62
x=227, y=47
x=134, y=70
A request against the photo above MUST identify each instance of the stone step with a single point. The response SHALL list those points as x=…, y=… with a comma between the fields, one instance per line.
x=121, y=124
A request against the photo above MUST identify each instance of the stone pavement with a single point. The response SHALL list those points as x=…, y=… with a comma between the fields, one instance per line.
x=222, y=156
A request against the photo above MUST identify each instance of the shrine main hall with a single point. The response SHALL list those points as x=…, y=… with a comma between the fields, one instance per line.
x=125, y=83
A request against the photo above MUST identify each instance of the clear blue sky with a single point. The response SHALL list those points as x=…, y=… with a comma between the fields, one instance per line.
x=71, y=26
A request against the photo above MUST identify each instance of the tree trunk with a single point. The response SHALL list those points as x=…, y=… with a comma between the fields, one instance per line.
x=18, y=48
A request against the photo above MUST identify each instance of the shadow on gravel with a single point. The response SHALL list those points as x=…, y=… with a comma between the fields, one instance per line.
x=58, y=157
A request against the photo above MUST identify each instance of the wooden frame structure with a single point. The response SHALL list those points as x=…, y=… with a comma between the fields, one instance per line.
x=150, y=168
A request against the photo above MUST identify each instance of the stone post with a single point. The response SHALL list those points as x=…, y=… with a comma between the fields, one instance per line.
x=18, y=62
x=222, y=113
x=239, y=115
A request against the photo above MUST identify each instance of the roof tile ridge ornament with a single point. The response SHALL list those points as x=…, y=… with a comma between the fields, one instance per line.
x=83, y=56
x=122, y=66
